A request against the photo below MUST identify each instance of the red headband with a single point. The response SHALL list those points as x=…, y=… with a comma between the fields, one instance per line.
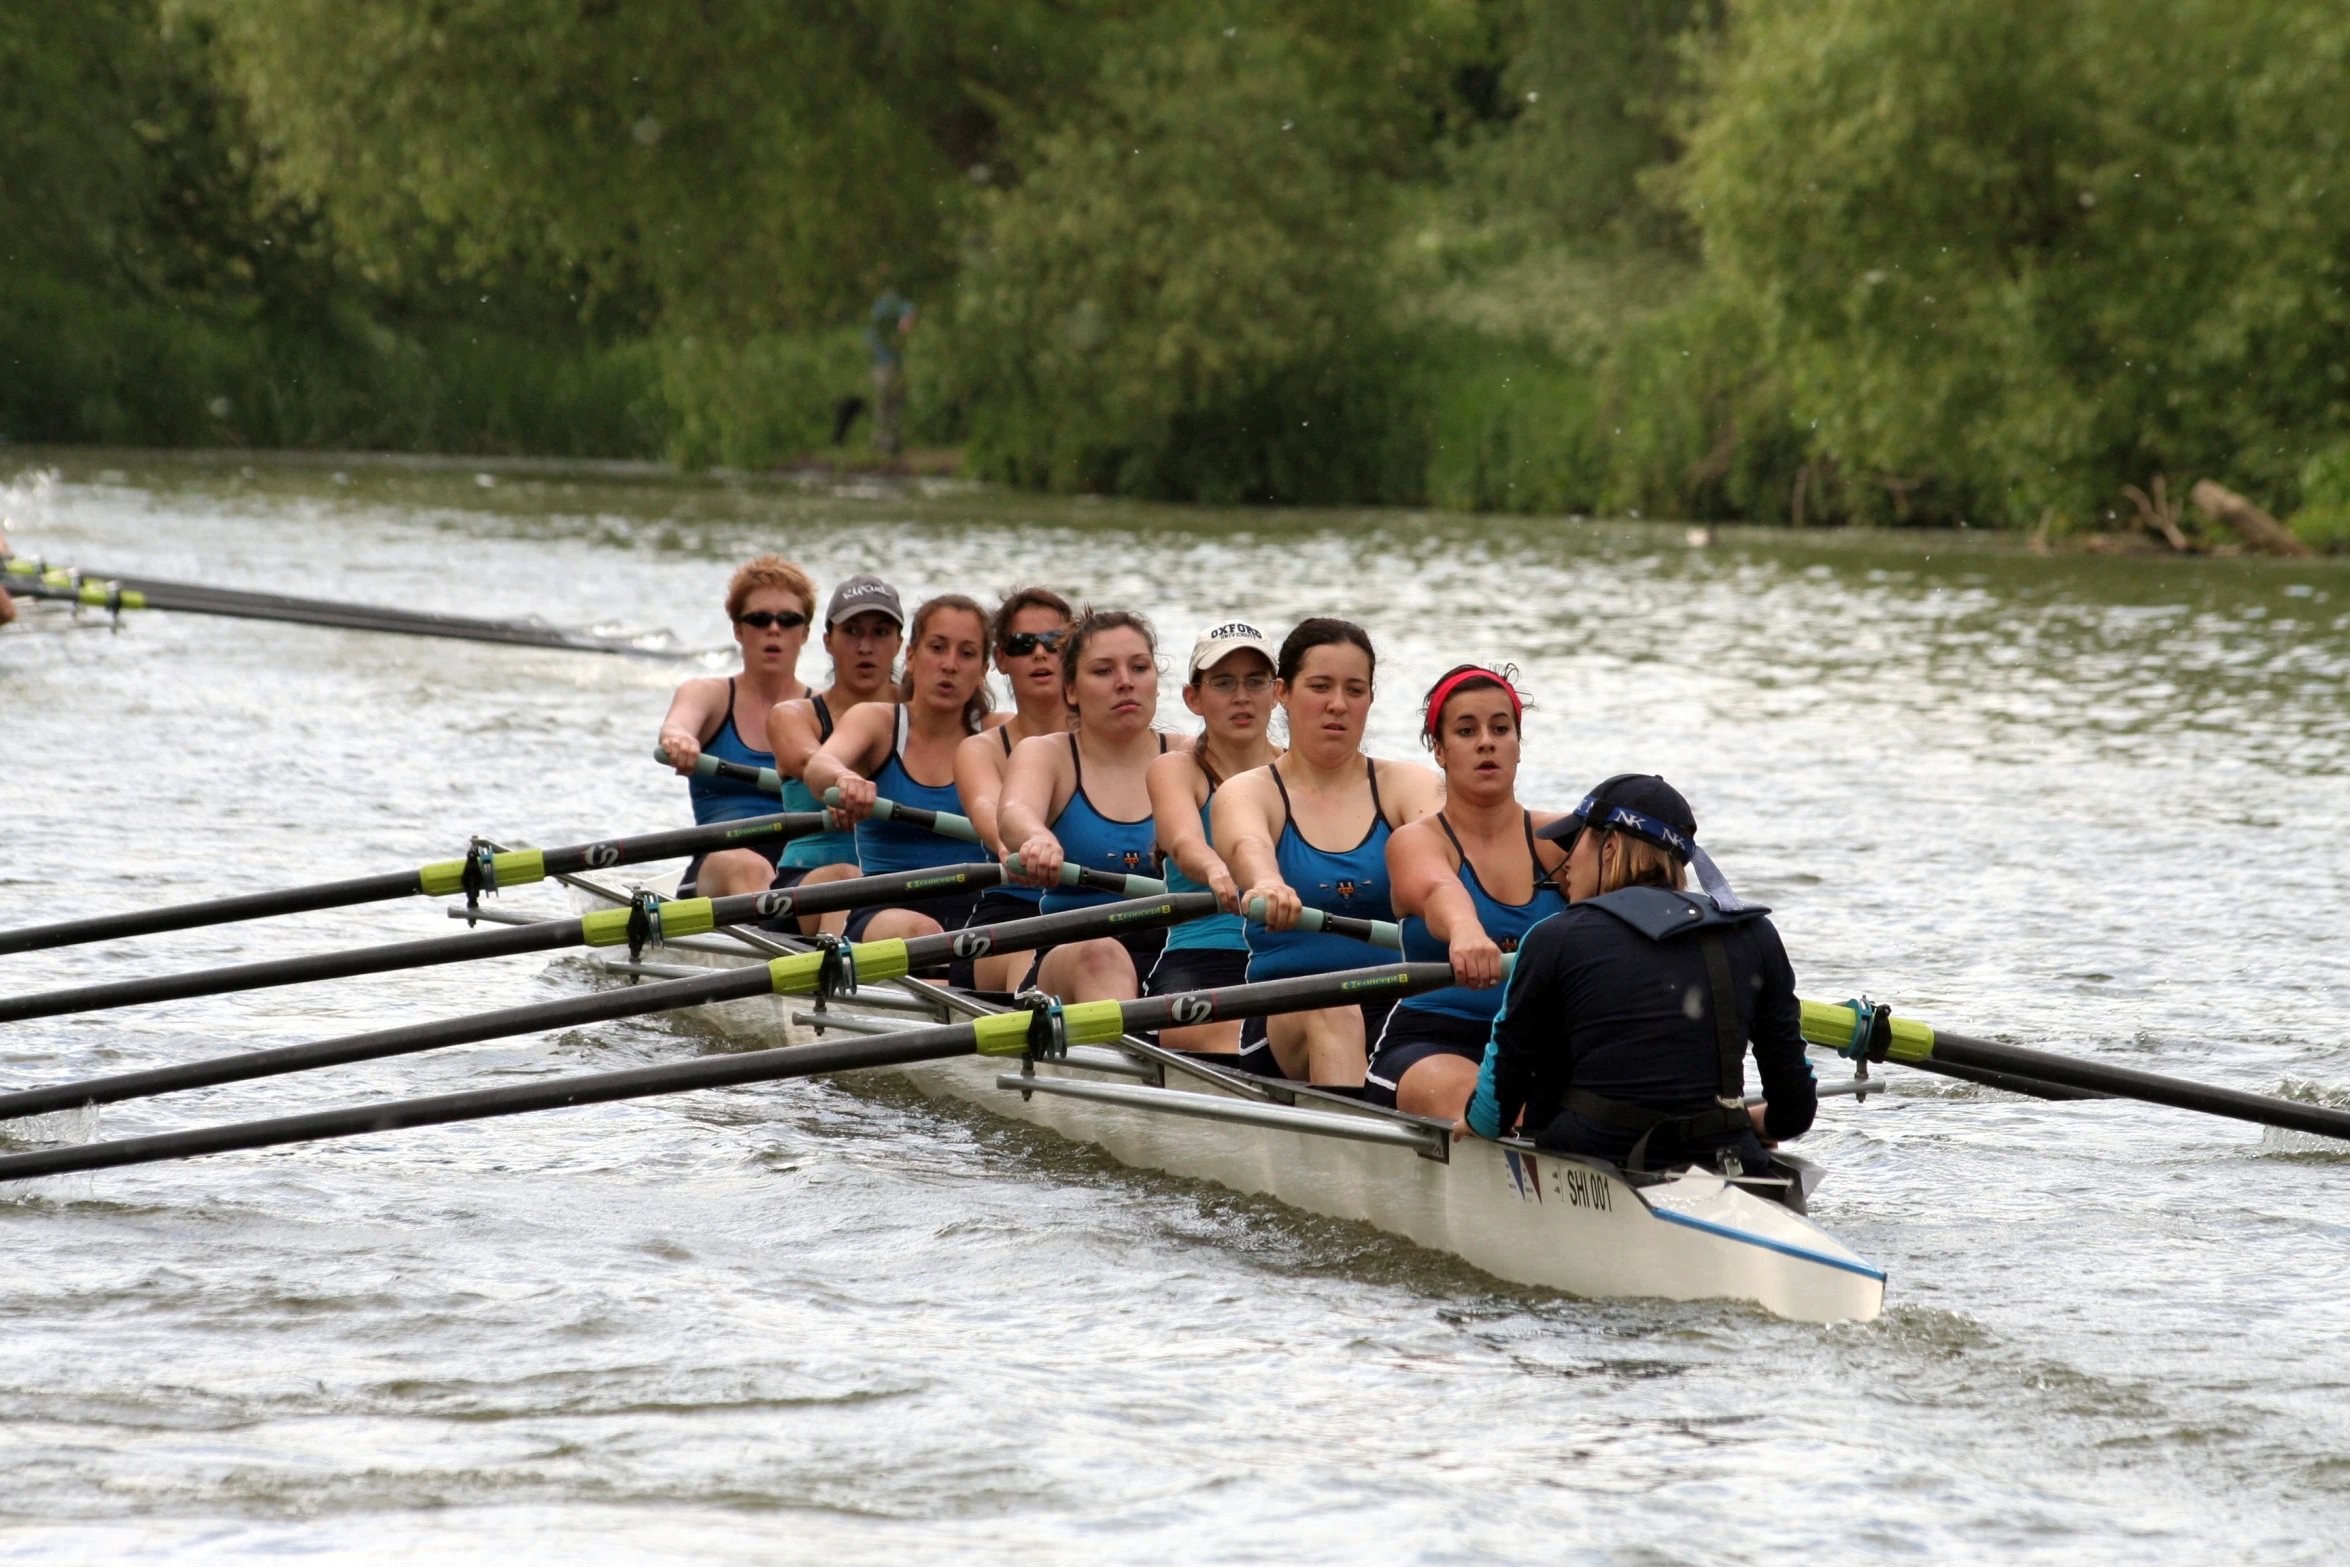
x=1443, y=694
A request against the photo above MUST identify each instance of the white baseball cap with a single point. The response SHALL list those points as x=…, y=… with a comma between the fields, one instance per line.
x=1218, y=643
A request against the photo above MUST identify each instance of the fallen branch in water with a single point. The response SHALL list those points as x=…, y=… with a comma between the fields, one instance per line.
x=2259, y=529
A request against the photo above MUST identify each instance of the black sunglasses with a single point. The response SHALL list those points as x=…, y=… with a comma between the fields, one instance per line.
x=1022, y=643
x=782, y=619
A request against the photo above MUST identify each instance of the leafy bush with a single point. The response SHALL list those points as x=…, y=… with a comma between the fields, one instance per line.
x=2033, y=252
x=2323, y=523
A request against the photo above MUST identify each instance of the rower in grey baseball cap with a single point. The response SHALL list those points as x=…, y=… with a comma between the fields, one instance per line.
x=861, y=593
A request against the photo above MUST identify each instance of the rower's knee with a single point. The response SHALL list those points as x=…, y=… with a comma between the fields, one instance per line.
x=1438, y=1086
x=900, y=925
x=732, y=872
x=1100, y=970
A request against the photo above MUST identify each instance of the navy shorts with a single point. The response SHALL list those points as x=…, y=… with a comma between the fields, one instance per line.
x=951, y=912
x=1000, y=905
x=1196, y=968
x=1413, y=1035
x=693, y=868
x=1256, y=1047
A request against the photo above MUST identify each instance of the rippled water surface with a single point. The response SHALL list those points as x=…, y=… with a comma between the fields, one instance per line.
x=2096, y=805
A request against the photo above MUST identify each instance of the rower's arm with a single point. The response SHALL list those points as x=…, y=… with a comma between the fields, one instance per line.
x=1790, y=1092
x=1532, y=1024
x=979, y=784
x=693, y=716
x=793, y=736
x=1245, y=819
x=1037, y=782
x=1424, y=881
x=1175, y=785
x=860, y=742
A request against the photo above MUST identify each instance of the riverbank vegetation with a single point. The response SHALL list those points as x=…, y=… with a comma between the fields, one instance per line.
x=1809, y=261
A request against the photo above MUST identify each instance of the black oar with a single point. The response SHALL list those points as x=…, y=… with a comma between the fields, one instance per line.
x=1002, y=1034
x=1313, y=921
x=480, y=871
x=1916, y=1044
x=36, y=579
x=799, y=974
x=654, y=921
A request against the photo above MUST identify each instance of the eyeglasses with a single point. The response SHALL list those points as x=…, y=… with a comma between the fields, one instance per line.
x=1022, y=643
x=1225, y=685
x=781, y=619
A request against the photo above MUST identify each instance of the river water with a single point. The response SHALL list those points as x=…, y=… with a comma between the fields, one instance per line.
x=2090, y=804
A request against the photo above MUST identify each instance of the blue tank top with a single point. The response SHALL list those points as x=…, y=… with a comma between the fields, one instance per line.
x=1352, y=882
x=824, y=848
x=723, y=799
x=1210, y=932
x=1094, y=842
x=1506, y=923
x=883, y=847
x=1009, y=888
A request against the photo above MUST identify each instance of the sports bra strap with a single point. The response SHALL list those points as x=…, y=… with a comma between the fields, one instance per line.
x=898, y=746
x=1004, y=733
x=1077, y=762
x=1456, y=840
x=1542, y=878
x=823, y=716
x=1378, y=811
x=1288, y=811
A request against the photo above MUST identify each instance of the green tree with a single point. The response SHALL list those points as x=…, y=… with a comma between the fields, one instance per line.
x=1185, y=295
x=2011, y=255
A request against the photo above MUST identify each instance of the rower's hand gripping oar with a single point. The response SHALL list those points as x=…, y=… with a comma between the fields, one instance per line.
x=481, y=870
x=1043, y=1033
x=948, y=825
x=836, y=969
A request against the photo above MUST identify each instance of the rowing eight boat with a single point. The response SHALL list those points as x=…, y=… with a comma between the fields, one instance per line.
x=1510, y=1209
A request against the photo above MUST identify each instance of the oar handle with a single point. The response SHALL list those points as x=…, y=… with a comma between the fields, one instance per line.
x=945, y=823
x=1319, y=922
x=766, y=779
x=1098, y=881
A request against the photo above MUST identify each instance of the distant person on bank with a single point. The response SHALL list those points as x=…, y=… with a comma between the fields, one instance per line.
x=891, y=321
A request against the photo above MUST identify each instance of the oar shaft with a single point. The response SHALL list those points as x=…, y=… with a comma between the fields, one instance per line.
x=1314, y=922
x=880, y=959
x=293, y=971
x=513, y=868
x=675, y=917
x=1918, y=1044
x=2130, y=1083
x=97, y=591
x=1094, y=1022
x=212, y=911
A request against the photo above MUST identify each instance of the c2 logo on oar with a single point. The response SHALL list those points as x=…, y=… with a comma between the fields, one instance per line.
x=1191, y=1009
x=972, y=944
x=771, y=904
x=600, y=856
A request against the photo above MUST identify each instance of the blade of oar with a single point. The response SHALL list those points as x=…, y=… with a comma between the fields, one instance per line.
x=629, y=926
x=1002, y=1034
x=480, y=871
x=114, y=594
x=1313, y=921
x=799, y=974
x=1916, y=1044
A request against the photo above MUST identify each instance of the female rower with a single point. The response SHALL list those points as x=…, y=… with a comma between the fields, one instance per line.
x=892, y=751
x=1231, y=689
x=1469, y=881
x=1027, y=631
x=769, y=601
x=1625, y=1030
x=1270, y=825
x=863, y=628
x=1084, y=797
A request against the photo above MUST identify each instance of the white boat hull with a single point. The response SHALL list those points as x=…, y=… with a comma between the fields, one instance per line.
x=1514, y=1212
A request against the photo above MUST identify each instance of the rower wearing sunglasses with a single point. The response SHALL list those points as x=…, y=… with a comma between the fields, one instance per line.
x=1624, y=1032
x=769, y=602
x=1027, y=632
